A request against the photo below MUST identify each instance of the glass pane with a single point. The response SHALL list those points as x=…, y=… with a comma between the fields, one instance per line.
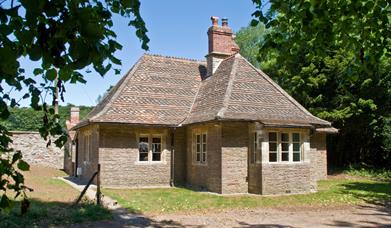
x=285, y=146
x=203, y=157
x=143, y=157
x=198, y=149
x=272, y=146
x=285, y=137
x=144, y=139
x=156, y=148
x=284, y=156
x=156, y=140
x=143, y=147
x=296, y=137
x=204, y=138
x=198, y=158
x=156, y=156
x=296, y=157
x=272, y=157
x=204, y=147
x=296, y=147
x=272, y=136
x=198, y=138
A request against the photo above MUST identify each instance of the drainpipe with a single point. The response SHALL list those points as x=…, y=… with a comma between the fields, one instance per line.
x=172, y=157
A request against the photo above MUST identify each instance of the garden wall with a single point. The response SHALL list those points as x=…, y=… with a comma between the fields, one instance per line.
x=35, y=151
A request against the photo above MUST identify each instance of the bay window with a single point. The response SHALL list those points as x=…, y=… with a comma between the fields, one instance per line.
x=285, y=147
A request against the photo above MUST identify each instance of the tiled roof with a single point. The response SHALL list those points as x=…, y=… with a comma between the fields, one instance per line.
x=162, y=90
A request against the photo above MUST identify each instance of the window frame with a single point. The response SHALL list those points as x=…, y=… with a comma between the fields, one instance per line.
x=87, y=146
x=203, y=152
x=290, y=142
x=150, y=152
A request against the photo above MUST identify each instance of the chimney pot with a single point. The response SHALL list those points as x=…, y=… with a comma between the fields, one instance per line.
x=224, y=22
x=215, y=20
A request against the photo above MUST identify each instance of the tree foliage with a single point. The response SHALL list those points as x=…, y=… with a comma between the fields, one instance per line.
x=65, y=37
x=333, y=56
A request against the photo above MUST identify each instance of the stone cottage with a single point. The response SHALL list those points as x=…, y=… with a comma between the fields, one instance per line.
x=221, y=125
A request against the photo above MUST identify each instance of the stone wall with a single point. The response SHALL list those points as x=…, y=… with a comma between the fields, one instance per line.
x=318, y=157
x=205, y=176
x=234, y=157
x=35, y=151
x=118, y=156
x=286, y=178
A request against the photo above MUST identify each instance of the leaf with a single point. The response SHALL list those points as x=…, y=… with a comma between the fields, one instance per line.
x=51, y=74
x=22, y=165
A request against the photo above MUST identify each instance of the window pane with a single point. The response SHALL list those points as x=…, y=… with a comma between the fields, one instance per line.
x=296, y=157
x=272, y=146
x=156, y=140
x=198, y=149
x=272, y=136
x=144, y=139
x=143, y=147
x=204, y=138
x=296, y=137
x=272, y=157
x=143, y=157
x=285, y=137
x=284, y=156
x=198, y=157
x=296, y=147
x=285, y=146
x=156, y=156
x=204, y=147
x=203, y=157
x=198, y=138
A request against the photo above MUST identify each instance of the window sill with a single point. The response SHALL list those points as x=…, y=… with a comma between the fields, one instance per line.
x=150, y=163
x=199, y=164
x=287, y=163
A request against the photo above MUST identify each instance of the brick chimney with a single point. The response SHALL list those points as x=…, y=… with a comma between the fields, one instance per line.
x=221, y=44
x=74, y=118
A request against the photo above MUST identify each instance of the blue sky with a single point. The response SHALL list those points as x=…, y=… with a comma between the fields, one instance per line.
x=176, y=28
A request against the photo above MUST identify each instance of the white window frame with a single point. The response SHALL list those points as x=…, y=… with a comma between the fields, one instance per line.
x=150, y=148
x=203, y=145
x=290, y=141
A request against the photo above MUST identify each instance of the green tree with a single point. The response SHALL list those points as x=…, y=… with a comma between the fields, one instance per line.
x=333, y=57
x=64, y=37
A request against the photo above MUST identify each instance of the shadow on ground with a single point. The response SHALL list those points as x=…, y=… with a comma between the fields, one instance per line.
x=48, y=214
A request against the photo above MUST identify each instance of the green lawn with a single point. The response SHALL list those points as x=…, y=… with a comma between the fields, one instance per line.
x=332, y=193
x=51, y=203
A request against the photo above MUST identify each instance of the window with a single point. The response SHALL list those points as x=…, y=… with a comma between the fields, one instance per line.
x=285, y=147
x=256, y=153
x=156, y=148
x=143, y=148
x=87, y=146
x=273, y=147
x=199, y=148
x=296, y=147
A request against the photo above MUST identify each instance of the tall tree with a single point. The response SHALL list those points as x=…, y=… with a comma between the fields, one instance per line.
x=334, y=57
x=65, y=37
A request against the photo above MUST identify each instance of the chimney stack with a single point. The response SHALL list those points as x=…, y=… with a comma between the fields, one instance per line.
x=74, y=119
x=221, y=44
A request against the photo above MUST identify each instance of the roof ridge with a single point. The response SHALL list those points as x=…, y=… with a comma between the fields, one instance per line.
x=220, y=113
x=174, y=57
x=282, y=91
x=121, y=84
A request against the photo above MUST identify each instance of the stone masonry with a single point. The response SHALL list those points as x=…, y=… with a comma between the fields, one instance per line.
x=35, y=151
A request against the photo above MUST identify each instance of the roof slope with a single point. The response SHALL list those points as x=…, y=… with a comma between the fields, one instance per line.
x=157, y=90
x=239, y=91
x=169, y=91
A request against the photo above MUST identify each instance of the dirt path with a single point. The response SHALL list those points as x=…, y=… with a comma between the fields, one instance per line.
x=359, y=216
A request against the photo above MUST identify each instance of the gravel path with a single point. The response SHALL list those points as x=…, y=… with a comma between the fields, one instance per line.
x=359, y=216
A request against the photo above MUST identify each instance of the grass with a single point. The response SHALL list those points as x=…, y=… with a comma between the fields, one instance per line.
x=363, y=171
x=51, y=203
x=334, y=192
